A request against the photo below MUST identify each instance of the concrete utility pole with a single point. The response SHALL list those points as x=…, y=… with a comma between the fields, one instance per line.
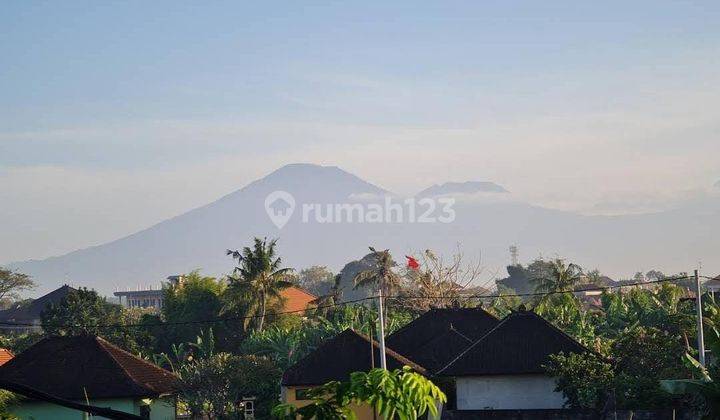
x=701, y=337
x=383, y=362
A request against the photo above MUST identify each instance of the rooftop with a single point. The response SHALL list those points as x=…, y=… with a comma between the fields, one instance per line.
x=338, y=357
x=31, y=311
x=441, y=334
x=520, y=344
x=67, y=367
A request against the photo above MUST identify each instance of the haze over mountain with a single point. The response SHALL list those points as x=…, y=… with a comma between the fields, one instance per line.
x=469, y=187
x=671, y=241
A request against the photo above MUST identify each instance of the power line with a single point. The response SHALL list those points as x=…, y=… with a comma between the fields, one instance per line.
x=208, y=321
x=334, y=305
x=595, y=289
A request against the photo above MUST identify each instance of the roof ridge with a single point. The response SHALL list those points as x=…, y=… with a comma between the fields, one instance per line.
x=551, y=325
x=104, y=344
x=502, y=321
x=399, y=357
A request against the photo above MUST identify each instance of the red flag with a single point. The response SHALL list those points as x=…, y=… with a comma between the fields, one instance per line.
x=412, y=263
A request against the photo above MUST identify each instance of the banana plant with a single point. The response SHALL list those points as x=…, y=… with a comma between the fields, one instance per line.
x=705, y=385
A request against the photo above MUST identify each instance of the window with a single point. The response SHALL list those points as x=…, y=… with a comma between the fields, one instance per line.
x=301, y=394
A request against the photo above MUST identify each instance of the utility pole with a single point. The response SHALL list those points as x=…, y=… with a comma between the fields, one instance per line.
x=383, y=362
x=701, y=337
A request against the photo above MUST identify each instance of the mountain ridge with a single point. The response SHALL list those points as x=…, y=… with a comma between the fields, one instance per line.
x=198, y=238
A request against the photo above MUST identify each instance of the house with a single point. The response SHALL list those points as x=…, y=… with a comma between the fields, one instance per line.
x=713, y=286
x=27, y=315
x=480, y=362
x=5, y=356
x=439, y=335
x=503, y=369
x=89, y=370
x=296, y=299
x=335, y=360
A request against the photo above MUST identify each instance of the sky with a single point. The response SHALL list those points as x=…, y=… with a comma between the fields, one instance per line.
x=117, y=115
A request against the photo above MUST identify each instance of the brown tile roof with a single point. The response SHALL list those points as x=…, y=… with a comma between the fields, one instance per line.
x=520, y=343
x=66, y=367
x=296, y=299
x=340, y=356
x=5, y=356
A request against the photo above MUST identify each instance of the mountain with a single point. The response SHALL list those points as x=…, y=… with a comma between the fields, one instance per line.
x=313, y=234
x=470, y=187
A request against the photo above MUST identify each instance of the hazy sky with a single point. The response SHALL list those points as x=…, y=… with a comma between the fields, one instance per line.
x=114, y=115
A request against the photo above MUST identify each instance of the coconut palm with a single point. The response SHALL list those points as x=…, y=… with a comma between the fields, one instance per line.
x=559, y=277
x=326, y=303
x=258, y=279
x=380, y=275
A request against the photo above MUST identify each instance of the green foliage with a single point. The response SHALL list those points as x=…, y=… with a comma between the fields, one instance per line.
x=84, y=312
x=17, y=343
x=584, y=379
x=317, y=279
x=197, y=298
x=256, y=282
x=705, y=384
x=288, y=344
x=381, y=274
x=12, y=283
x=642, y=332
x=7, y=399
x=215, y=385
x=399, y=394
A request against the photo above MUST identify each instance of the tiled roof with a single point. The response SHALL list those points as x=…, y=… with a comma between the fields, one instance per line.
x=439, y=335
x=340, y=356
x=296, y=299
x=32, y=310
x=520, y=343
x=67, y=367
x=5, y=356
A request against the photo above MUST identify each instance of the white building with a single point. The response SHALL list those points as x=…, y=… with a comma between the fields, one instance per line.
x=503, y=370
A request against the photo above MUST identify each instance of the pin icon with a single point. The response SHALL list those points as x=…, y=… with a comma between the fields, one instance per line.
x=280, y=206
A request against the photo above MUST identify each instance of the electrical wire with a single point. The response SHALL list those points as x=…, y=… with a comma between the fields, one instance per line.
x=334, y=305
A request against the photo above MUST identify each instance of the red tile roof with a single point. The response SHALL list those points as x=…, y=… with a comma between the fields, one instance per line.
x=5, y=356
x=296, y=299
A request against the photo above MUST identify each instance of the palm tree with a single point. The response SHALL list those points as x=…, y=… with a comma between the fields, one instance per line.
x=556, y=277
x=257, y=280
x=560, y=277
x=326, y=303
x=381, y=274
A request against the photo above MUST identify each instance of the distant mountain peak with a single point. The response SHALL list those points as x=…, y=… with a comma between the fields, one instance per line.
x=469, y=187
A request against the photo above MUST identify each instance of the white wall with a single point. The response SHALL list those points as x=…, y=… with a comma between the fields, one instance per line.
x=507, y=392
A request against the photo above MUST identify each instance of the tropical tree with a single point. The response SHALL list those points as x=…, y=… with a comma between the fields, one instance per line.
x=326, y=304
x=317, y=279
x=12, y=283
x=258, y=279
x=705, y=385
x=381, y=275
x=215, y=386
x=189, y=307
x=560, y=277
x=398, y=394
x=84, y=312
